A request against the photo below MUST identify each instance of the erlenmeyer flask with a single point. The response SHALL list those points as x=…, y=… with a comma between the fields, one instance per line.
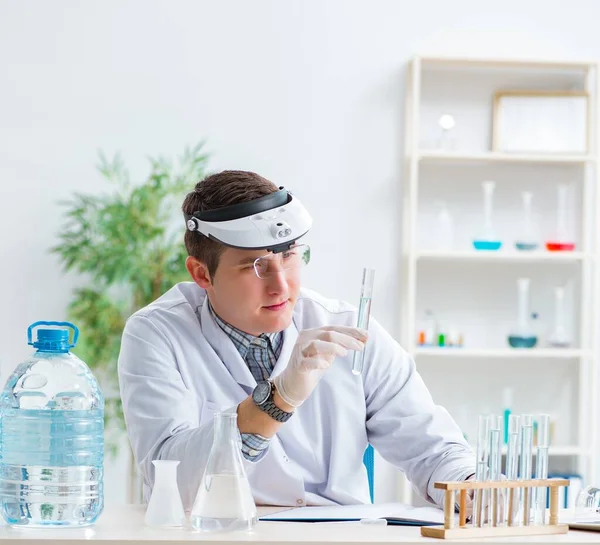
x=165, y=508
x=224, y=500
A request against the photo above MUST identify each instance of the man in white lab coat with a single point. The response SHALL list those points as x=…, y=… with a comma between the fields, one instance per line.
x=245, y=337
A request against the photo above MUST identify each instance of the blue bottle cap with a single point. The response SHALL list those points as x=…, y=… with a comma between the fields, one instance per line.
x=52, y=340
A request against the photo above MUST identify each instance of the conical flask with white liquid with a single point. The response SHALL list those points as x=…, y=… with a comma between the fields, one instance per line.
x=224, y=501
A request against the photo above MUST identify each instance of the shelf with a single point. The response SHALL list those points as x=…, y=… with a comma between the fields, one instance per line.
x=508, y=256
x=434, y=156
x=503, y=353
x=427, y=61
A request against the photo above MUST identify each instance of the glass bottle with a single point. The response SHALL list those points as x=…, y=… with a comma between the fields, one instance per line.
x=488, y=239
x=224, y=501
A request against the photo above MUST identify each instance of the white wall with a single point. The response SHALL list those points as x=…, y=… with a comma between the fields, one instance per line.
x=308, y=93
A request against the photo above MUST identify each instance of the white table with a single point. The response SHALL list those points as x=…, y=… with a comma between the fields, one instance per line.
x=125, y=525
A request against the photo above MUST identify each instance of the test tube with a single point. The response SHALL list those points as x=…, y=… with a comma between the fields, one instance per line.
x=481, y=470
x=541, y=470
x=364, y=311
x=512, y=468
x=495, y=463
x=526, y=459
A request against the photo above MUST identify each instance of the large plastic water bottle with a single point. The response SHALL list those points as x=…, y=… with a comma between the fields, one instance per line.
x=52, y=436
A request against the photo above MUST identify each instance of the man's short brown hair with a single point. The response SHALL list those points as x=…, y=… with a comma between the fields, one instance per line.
x=216, y=191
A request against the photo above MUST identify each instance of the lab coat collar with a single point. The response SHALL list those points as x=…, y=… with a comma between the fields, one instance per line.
x=229, y=355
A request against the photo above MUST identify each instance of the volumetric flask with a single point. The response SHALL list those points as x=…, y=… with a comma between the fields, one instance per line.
x=224, y=501
x=364, y=311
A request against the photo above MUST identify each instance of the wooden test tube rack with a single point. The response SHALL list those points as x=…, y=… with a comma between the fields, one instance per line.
x=450, y=531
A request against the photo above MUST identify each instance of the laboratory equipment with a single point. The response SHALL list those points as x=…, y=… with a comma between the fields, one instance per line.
x=224, y=501
x=562, y=241
x=541, y=471
x=507, y=402
x=52, y=435
x=428, y=335
x=481, y=469
x=446, y=142
x=272, y=222
x=364, y=311
x=165, y=508
x=587, y=504
x=523, y=335
x=559, y=338
x=527, y=240
x=488, y=238
x=512, y=468
x=525, y=473
x=495, y=462
x=444, y=237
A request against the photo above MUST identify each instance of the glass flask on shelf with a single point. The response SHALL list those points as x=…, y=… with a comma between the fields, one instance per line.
x=444, y=236
x=527, y=240
x=487, y=239
x=559, y=337
x=224, y=501
x=523, y=335
x=563, y=239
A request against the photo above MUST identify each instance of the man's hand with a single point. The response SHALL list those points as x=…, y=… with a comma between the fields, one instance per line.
x=314, y=352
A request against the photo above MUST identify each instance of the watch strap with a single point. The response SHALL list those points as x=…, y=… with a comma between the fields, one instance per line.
x=274, y=411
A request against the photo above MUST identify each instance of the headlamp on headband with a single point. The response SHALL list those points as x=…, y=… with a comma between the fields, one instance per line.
x=272, y=222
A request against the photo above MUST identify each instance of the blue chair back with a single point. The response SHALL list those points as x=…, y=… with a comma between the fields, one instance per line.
x=369, y=461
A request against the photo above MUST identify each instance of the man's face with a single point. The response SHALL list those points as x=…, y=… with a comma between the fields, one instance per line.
x=254, y=305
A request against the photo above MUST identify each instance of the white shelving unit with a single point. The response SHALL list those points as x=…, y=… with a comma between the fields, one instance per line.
x=478, y=289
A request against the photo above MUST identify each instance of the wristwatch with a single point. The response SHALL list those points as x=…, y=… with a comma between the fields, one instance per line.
x=263, y=399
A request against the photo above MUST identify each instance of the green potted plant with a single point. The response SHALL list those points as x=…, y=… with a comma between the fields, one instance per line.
x=128, y=246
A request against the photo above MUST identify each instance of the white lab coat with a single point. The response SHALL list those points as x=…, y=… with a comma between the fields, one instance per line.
x=177, y=367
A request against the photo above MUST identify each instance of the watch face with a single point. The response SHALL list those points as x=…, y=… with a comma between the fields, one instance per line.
x=261, y=392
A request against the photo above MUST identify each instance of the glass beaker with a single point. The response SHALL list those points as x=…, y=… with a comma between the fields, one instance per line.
x=224, y=501
x=562, y=241
x=165, y=508
x=527, y=240
x=523, y=335
x=487, y=239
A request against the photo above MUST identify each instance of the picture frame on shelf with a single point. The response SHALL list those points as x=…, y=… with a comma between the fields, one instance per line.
x=540, y=121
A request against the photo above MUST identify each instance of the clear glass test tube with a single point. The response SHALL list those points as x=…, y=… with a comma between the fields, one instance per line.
x=364, y=312
x=512, y=469
x=526, y=465
x=495, y=464
x=481, y=470
x=541, y=470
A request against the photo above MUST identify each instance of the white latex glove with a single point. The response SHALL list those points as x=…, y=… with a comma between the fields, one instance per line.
x=314, y=352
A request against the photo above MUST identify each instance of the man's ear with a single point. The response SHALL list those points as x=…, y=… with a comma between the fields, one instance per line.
x=199, y=272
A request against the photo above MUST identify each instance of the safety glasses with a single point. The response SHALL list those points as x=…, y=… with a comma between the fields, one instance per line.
x=294, y=258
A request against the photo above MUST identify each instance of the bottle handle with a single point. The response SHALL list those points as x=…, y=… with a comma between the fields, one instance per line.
x=67, y=324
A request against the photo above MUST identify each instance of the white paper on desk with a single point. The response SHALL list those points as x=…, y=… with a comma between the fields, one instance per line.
x=396, y=512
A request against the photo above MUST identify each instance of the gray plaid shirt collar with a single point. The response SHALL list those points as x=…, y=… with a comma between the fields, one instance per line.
x=243, y=340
